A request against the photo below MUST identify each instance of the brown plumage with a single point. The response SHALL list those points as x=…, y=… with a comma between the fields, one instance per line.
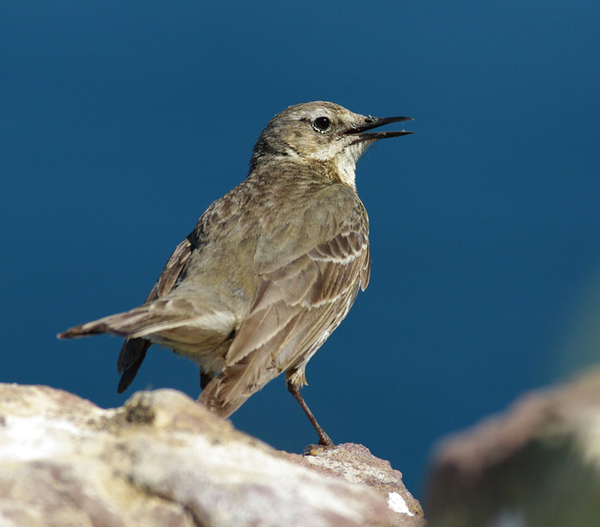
x=271, y=268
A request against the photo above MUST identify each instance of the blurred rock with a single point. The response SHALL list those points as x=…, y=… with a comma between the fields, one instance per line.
x=163, y=460
x=538, y=465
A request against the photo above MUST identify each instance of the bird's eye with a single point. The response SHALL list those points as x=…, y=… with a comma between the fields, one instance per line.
x=321, y=124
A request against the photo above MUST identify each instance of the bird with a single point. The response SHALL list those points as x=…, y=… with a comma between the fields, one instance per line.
x=270, y=270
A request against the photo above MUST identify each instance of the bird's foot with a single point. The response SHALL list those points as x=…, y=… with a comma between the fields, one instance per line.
x=315, y=450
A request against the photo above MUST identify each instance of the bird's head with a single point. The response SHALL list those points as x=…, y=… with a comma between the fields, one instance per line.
x=322, y=131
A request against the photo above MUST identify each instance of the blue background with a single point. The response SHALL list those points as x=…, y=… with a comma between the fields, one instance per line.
x=120, y=122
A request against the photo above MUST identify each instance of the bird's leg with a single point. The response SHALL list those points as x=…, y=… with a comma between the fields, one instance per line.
x=205, y=378
x=323, y=437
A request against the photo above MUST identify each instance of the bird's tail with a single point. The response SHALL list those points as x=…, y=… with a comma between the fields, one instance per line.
x=152, y=318
x=131, y=325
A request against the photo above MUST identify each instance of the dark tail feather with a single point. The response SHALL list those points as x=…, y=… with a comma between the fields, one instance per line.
x=133, y=351
x=131, y=357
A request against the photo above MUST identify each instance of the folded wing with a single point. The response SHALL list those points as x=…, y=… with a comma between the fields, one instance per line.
x=296, y=308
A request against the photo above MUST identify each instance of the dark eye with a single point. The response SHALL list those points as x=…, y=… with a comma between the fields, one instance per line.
x=321, y=124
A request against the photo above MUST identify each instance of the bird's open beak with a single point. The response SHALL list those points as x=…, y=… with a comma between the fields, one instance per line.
x=375, y=122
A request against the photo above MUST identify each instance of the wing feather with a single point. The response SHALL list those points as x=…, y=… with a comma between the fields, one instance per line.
x=296, y=307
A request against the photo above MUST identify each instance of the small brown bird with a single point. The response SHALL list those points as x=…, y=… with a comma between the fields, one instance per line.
x=271, y=268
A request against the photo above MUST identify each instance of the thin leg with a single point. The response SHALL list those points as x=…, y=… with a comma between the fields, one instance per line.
x=323, y=437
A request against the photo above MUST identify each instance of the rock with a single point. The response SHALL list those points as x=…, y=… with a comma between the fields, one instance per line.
x=355, y=464
x=164, y=460
x=536, y=465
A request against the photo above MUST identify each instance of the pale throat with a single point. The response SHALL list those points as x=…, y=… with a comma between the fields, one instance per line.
x=346, y=167
x=345, y=162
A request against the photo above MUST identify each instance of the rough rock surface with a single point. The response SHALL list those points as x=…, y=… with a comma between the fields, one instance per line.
x=538, y=465
x=355, y=464
x=163, y=460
